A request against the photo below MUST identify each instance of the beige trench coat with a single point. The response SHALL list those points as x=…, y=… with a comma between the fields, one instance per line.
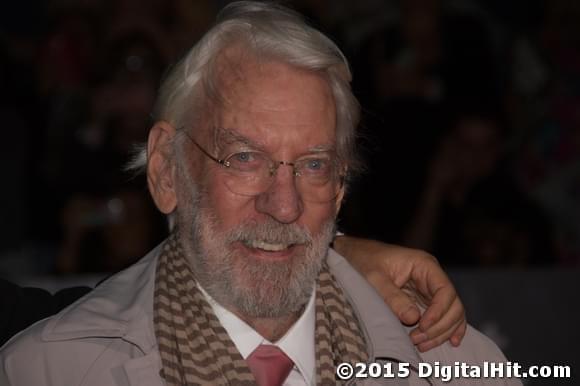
x=107, y=338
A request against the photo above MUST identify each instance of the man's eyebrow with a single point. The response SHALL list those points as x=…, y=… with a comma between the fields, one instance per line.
x=325, y=147
x=228, y=136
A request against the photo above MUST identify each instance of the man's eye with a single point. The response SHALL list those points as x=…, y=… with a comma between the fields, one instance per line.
x=243, y=157
x=316, y=165
x=247, y=161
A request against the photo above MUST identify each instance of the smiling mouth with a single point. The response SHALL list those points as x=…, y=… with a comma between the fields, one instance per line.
x=266, y=246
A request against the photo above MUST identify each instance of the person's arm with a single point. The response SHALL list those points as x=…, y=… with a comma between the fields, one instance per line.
x=407, y=278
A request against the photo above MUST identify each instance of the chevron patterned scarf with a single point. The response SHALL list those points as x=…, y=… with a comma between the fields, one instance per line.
x=196, y=350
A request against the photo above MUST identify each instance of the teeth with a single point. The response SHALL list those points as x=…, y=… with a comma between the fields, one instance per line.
x=267, y=246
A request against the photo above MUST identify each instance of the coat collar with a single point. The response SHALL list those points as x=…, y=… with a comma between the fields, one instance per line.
x=129, y=313
x=121, y=307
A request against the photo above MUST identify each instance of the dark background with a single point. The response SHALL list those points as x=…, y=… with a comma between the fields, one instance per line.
x=470, y=133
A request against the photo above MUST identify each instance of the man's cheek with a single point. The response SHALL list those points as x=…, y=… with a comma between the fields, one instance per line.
x=317, y=216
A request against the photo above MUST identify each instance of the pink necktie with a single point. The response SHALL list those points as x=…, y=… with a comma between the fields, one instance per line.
x=269, y=365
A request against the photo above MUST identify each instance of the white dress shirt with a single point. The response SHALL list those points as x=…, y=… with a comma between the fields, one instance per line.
x=297, y=343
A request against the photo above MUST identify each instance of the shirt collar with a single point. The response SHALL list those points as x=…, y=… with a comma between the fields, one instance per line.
x=297, y=343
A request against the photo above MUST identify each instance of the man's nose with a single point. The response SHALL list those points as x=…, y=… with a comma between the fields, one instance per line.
x=282, y=200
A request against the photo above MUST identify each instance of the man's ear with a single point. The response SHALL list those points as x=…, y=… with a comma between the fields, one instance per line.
x=160, y=167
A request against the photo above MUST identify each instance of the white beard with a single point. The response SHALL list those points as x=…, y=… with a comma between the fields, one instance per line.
x=253, y=287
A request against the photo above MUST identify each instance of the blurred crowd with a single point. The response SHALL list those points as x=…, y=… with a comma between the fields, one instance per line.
x=470, y=129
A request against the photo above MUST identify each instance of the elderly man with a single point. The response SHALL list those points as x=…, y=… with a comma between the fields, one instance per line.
x=250, y=157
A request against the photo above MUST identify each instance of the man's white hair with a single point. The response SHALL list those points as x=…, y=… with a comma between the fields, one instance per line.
x=263, y=30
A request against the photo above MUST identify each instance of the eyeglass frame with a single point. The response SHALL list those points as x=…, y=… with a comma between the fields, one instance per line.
x=275, y=163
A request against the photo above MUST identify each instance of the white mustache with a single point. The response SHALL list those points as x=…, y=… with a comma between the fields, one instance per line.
x=270, y=232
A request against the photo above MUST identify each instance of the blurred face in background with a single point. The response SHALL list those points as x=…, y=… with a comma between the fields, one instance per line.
x=478, y=146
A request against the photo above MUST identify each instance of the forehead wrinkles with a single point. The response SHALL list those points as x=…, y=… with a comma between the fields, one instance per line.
x=228, y=71
x=232, y=67
x=240, y=75
x=239, y=69
x=222, y=73
x=227, y=136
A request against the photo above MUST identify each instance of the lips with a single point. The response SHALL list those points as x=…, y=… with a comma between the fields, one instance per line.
x=266, y=246
x=269, y=250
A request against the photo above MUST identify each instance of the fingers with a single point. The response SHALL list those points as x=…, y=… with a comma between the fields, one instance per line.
x=431, y=343
x=401, y=304
x=442, y=302
x=394, y=270
x=451, y=326
x=444, y=319
x=459, y=333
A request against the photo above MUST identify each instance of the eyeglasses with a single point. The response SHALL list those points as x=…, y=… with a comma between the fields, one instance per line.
x=318, y=177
